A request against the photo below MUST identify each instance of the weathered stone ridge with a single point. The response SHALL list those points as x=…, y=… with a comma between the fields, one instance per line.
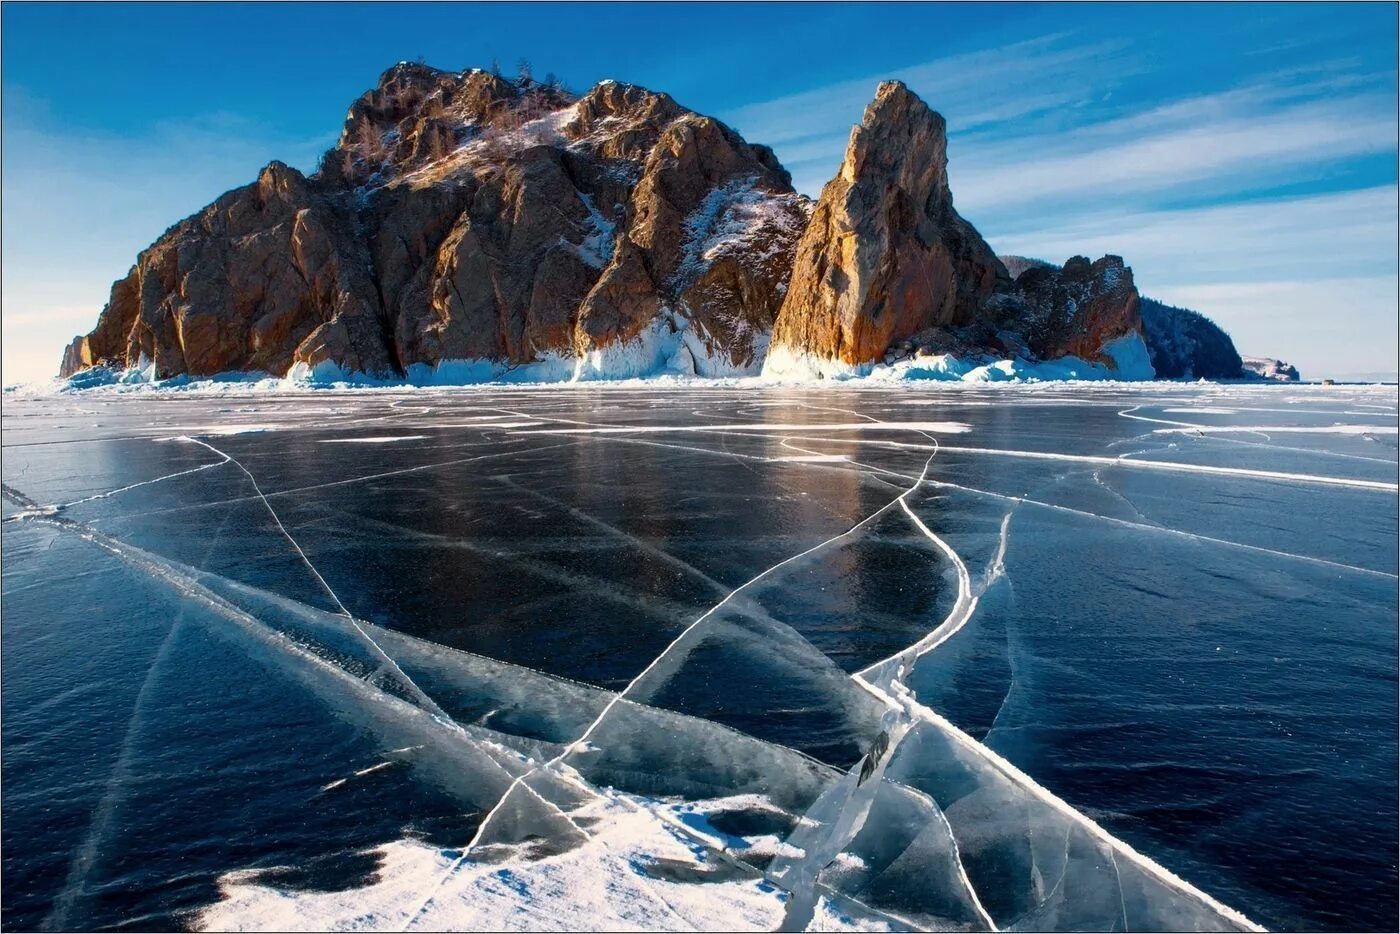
x=266, y=276
x=1074, y=310
x=469, y=217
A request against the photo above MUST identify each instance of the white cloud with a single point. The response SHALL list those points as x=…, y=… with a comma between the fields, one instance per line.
x=1168, y=151
x=1318, y=236
x=957, y=84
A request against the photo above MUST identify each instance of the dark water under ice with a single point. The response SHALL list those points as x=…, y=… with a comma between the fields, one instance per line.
x=1201, y=659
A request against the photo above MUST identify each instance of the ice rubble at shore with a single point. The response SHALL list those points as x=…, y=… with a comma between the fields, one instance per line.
x=1129, y=354
x=668, y=351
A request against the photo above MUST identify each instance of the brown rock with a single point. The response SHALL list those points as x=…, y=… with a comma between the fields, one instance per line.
x=885, y=254
x=465, y=216
x=732, y=281
x=711, y=230
x=76, y=356
x=1073, y=310
x=241, y=285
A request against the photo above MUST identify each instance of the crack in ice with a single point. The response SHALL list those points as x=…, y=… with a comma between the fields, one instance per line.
x=580, y=744
x=428, y=703
x=1124, y=461
x=132, y=486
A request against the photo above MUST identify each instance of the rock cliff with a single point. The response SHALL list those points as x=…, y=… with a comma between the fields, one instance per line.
x=466, y=227
x=887, y=262
x=1270, y=369
x=1078, y=309
x=468, y=218
x=1187, y=344
x=1181, y=343
x=885, y=255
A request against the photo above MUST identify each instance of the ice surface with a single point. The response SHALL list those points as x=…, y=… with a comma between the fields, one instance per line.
x=672, y=656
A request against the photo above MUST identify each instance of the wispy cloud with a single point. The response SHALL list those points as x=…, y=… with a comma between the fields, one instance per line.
x=1349, y=233
x=1236, y=140
x=971, y=90
x=954, y=81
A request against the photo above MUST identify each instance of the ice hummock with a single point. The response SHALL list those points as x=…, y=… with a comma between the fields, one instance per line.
x=1129, y=354
x=672, y=347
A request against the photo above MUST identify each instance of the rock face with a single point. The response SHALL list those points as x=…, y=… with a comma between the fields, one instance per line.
x=267, y=275
x=465, y=217
x=887, y=266
x=885, y=255
x=1181, y=343
x=1269, y=368
x=1077, y=309
x=466, y=226
x=1187, y=344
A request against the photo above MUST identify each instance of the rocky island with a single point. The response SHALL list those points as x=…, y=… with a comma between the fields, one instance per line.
x=468, y=227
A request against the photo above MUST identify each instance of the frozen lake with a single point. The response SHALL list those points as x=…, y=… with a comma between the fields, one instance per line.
x=1055, y=656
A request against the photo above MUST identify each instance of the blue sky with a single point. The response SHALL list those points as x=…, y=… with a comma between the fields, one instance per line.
x=1241, y=158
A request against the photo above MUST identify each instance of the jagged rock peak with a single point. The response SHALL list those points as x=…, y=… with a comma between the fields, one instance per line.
x=896, y=126
x=417, y=114
x=467, y=220
x=885, y=255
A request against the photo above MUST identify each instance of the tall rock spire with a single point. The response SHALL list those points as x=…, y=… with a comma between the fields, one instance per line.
x=885, y=255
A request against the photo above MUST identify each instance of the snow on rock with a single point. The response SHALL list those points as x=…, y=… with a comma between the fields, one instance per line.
x=740, y=218
x=786, y=363
x=596, y=248
x=669, y=346
x=1269, y=368
x=735, y=257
